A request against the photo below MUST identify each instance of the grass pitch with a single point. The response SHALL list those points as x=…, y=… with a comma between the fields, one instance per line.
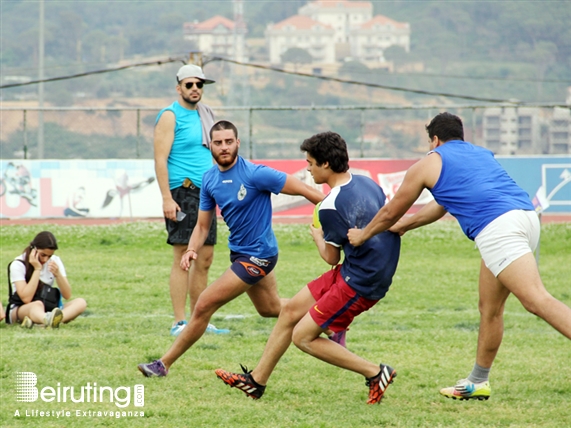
x=426, y=327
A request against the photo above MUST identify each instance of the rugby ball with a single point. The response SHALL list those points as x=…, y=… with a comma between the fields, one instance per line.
x=316, y=222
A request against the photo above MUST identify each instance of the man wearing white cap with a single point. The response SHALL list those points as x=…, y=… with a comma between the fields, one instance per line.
x=182, y=155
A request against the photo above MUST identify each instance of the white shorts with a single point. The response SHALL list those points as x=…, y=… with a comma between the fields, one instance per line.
x=507, y=238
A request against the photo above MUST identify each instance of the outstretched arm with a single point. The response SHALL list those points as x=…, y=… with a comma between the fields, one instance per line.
x=422, y=174
x=426, y=215
x=294, y=186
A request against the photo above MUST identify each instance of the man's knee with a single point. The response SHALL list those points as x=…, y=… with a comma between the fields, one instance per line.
x=290, y=315
x=538, y=303
x=301, y=340
x=270, y=311
x=490, y=311
x=205, y=307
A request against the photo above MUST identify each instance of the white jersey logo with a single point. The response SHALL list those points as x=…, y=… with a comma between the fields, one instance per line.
x=242, y=192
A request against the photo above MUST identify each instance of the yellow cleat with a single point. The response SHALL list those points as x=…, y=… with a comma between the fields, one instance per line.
x=466, y=390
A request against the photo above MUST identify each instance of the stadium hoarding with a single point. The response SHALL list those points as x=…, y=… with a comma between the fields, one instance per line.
x=128, y=188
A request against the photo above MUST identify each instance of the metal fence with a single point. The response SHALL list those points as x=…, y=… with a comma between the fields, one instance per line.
x=371, y=131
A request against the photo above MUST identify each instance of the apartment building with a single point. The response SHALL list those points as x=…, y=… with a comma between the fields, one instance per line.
x=560, y=131
x=218, y=36
x=349, y=26
x=511, y=130
x=301, y=32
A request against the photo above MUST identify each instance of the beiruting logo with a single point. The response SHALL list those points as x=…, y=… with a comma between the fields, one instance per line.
x=27, y=391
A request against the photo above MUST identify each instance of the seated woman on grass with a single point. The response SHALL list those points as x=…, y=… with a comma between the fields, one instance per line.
x=33, y=297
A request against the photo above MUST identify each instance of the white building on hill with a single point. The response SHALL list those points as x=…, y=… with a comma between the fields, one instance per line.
x=349, y=26
x=301, y=32
x=218, y=36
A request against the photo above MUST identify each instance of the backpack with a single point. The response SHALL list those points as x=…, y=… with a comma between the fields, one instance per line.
x=48, y=295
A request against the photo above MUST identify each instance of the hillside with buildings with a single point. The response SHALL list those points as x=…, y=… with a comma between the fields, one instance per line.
x=430, y=49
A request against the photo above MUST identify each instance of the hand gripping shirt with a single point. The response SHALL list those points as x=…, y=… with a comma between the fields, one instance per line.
x=243, y=194
x=474, y=187
x=369, y=268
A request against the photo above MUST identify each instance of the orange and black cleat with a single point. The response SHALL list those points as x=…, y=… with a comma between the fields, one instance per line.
x=244, y=382
x=379, y=383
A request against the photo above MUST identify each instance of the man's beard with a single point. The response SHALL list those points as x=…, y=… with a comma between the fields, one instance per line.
x=227, y=161
x=190, y=100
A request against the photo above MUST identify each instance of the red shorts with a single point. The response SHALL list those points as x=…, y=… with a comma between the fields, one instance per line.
x=337, y=304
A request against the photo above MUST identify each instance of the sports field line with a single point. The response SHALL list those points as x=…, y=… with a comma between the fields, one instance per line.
x=123, y=315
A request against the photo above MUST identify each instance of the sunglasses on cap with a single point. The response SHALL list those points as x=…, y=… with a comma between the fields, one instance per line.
x=189, y=85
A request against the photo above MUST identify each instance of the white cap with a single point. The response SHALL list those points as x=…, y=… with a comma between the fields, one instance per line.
x=191, y=70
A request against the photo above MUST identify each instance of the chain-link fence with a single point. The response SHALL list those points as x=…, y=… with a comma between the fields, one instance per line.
x=276, y=132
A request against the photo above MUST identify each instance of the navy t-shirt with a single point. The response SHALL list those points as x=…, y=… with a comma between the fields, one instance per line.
x=369, y=268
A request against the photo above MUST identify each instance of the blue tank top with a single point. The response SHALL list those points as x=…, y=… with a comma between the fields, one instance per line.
x=474, y=187
x=188, y=157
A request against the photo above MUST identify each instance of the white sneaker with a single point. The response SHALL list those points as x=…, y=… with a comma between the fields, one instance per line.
x=54, y=318
x=177, y=327
x=212, y=329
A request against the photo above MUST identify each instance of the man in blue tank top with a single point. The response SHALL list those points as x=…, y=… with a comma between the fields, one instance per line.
x=467, y=182
x=242, y=191
x=333, y=300
x=182, y=156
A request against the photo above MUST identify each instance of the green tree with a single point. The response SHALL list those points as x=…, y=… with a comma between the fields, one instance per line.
x=354, y=69
x=396, y=54
x=297, y=56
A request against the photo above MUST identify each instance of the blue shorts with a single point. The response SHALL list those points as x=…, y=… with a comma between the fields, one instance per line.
x=251, y=269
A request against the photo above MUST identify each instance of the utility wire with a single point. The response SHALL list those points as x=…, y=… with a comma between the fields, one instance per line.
x=370, y=72
x=334, y=67
x=371, y=85
x=264, y=67
x=89, y=73
x=502, y=79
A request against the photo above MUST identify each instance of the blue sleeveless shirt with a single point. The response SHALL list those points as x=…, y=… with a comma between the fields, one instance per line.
x=188, y=156
x=474, y=187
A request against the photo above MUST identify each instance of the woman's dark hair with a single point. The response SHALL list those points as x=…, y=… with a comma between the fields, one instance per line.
x=328, y=147
x=44, y=241
x=446, y=127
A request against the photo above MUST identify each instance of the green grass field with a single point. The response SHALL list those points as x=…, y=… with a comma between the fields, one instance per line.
x=426, y=327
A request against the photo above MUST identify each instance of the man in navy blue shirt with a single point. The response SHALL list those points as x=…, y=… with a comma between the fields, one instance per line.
x=242, y=191
x=332, y=301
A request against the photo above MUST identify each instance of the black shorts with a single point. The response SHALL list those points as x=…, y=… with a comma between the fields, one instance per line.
x=11, y=311
x=188, y=199
x=251, y=269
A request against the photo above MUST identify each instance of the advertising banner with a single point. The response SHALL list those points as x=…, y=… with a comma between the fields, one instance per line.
x=128, y=188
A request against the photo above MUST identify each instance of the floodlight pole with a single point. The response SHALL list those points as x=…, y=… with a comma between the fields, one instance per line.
x=41, y=84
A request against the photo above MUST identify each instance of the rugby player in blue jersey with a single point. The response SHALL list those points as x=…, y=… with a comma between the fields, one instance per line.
x=242, y=191
x=333, y=300
x=467, y=182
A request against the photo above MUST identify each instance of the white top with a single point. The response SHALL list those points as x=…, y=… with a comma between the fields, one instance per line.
x=18, y=271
